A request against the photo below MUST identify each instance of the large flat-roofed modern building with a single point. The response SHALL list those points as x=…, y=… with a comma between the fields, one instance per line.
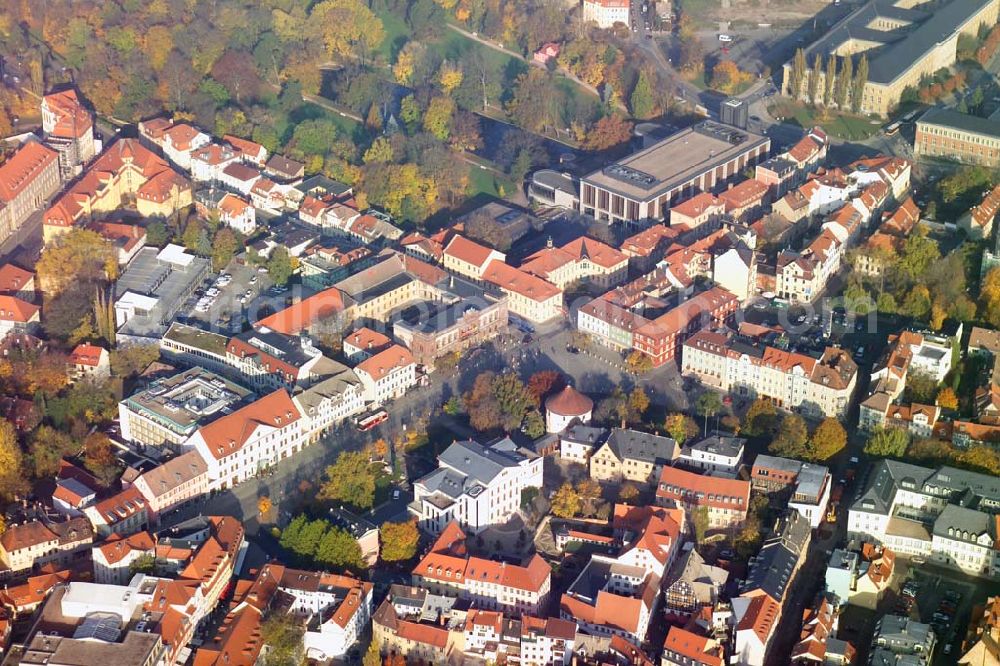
x=169, y=411
x=153, y=288
x=959, y=136
x=904, y=41
x=643, y=186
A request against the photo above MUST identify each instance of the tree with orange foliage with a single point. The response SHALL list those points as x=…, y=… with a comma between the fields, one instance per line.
x=608, y=132
x=380, y=449
x=99, y=458
x=946, y=398
x=545, y=382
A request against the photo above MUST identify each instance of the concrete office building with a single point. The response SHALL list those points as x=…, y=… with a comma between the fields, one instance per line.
x=904, y=43
x=958, y=136
x=704, y=158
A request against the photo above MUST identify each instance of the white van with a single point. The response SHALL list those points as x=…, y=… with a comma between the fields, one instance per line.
x=725, y=38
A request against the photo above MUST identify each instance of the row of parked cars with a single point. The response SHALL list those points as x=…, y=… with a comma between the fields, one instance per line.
x=208, y=298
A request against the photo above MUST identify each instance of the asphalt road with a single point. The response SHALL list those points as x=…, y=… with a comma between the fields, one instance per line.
x=596, y=371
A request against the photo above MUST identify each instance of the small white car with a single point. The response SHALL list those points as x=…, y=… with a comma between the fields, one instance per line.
x=725, y=38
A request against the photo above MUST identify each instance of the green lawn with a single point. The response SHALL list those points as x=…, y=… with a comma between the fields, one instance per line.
x=840, y=125
x=484, y=181
x=396, y=34
x=455, y=46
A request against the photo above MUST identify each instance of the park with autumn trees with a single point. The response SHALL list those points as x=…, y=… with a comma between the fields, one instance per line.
x=400, y=87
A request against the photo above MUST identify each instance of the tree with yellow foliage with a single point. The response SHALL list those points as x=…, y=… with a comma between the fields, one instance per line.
x=989, y=297
x=946, y=398
x=264, y=507
x=345, y=25
x=158, y=43
x=449, y=76
x=405, y=62
x=566, y=502
x=11, y=480
x=79, y=255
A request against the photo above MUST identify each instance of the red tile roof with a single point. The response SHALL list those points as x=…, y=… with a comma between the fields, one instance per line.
x=233, y=206
x=703, y=490
x=249, y=148
x=761, y=616
x=121, y=506
x=748, y=193
x=384, y=362
x=115, y=548
x=468, y=251
x=365, y=338
x=19, y=537
x=300, y=316
x=18, y=311
x=122, y=155
x=72, y=119
x=569, y=402
x=181, y=135
x=23, y=167
x=697, y=205
x=448, y=561
x=699, y=649
x=648, y=240
x=226, y=435
x=241, y=172
x=515, y=280
x=87, y=354
x=14, y=279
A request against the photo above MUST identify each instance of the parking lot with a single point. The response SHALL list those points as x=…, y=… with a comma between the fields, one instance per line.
x=944, y=599
x=236, y=294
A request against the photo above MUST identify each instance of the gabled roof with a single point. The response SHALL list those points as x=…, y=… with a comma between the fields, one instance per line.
x=748, y=193
x=468, y=251
x=116, y=548
x=87, y=354
x=245, y=146
x=699, y=649
x=384, y=362
x=174, y=473
x=704, y=490
x=761, y=616
x=23, y=167
x=697, y=205
x=18, y=311
x=181, y=135
x=72, y=119
x=512, y=279
x=13, y=278
x=119, y=507
x=226, y=435
x=300, y=316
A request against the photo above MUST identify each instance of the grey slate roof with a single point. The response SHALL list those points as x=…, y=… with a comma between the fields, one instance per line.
x=479, y=462
x=961, y=524
x=900, y=48
x=584, y=434
x=773, y=567
x=774, y=462
x=886, y=476
x=810, y=480
x=720, y=444
x=959, y=482
x=642, y=446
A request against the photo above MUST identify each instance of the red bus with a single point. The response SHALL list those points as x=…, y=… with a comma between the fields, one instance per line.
x=371, y=420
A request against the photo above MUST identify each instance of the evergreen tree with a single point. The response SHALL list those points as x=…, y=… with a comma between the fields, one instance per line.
x=641, y=101
x=829, y=80
x=843, y=87
x=797, y=74
x=860, y=79
x=813, y=83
